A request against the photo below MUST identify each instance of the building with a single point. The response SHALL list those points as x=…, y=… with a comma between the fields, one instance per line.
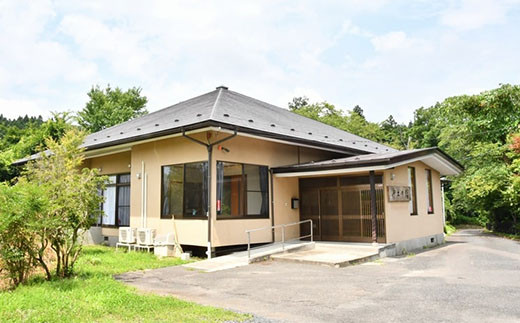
x=213, y=166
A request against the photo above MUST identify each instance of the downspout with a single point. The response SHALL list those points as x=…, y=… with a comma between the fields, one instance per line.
x=272, y=203
x=209, y=147
x=443, y=206
x=208, y=212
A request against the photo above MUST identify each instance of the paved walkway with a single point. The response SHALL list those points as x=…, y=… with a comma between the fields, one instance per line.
x=475, y=277
x=241, y=258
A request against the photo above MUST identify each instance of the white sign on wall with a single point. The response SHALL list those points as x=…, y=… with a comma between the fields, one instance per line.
x=399, y=193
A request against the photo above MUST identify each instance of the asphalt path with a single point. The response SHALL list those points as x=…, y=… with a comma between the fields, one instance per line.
x=473, y=277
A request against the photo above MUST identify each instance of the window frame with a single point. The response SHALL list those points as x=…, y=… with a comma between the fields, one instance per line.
x=412, y=180
x=244, y=191
x=429, y=192
x=116, y=216
x=182, y=216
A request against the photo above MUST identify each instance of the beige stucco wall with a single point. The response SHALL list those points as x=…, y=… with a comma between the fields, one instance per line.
x=260, y=152
x=400, y=225
x=284, y=190
x=181, y=150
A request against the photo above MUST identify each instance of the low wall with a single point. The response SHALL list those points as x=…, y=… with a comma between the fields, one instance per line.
x=406, y=246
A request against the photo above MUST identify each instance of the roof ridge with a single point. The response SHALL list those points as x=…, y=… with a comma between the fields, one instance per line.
x=214, y=107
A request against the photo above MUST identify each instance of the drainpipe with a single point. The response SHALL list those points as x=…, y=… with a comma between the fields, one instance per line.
x=208, y=212
x=272, y=203
x=209, y=147
x=443, y=207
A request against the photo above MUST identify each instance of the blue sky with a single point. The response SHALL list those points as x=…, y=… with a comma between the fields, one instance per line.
x=389, y=57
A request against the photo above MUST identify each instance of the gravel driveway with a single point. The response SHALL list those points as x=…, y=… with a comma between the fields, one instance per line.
x=474, y=277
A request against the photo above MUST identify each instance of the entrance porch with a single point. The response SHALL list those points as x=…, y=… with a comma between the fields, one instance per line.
x=340, y=207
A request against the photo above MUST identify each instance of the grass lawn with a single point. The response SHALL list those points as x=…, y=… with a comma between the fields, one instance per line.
x=94, y=296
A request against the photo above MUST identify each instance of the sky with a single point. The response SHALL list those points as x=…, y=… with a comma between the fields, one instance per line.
x=389, y=57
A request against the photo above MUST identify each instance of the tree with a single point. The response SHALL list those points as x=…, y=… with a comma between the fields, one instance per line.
x=109, y=107
x=352, y=121
x=72, y=192
x=357, y=109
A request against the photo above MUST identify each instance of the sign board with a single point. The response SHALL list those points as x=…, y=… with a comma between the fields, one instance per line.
x=399, y=193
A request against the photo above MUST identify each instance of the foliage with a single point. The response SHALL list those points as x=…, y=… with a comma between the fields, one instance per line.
x=109, y=107
x=20, y=138
x=73, y=196
x=449, y=229
x=94, y=296
x=19, y=205
x=352, y=121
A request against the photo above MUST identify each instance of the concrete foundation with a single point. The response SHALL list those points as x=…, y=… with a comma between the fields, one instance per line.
x=404, y=247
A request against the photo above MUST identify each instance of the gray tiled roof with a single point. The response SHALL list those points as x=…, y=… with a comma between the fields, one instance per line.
x=231, y=109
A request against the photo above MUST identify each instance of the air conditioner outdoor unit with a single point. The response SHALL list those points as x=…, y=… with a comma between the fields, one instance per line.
x=145, y=236
x=127, y=235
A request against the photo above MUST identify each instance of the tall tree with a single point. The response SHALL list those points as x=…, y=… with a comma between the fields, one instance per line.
x=109, y=107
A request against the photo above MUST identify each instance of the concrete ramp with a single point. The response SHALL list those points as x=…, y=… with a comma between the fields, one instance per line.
x=336, y=254
x=240, y=258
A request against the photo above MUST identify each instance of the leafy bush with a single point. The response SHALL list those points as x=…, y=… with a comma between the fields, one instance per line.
x=19, y=206
x=48, y=209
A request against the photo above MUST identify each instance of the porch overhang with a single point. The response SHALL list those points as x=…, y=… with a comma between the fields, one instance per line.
x=433, y=157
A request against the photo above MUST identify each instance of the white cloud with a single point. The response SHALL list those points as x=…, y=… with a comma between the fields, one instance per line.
x=391, y=41
x=345, y=52
x=12, y=108
x=474, y=14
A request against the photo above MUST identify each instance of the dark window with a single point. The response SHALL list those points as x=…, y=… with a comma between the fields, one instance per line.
x=413, y=188
x=116, y=207
x=429, y=190
x=184, y=191
x=242, y=191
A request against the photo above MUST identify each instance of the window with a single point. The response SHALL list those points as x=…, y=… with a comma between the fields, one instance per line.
x=242, y=191
x=116, y=207
x=429, y=190
x=184, y=191
x=413, y=195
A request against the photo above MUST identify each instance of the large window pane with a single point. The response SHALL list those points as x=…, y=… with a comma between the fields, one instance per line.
x=184, y=191
x=116, y=207
x=109, y=206
x=242, y=190
x=195, y=190
x=413, y=198
x=429, y=190
x=173, y=191
x=123, y=205
x=233, y=191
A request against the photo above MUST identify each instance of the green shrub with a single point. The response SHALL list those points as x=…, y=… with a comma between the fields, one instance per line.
x=18, y=240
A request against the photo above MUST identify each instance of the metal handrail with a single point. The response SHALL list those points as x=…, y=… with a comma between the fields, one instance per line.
x=283, y=226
